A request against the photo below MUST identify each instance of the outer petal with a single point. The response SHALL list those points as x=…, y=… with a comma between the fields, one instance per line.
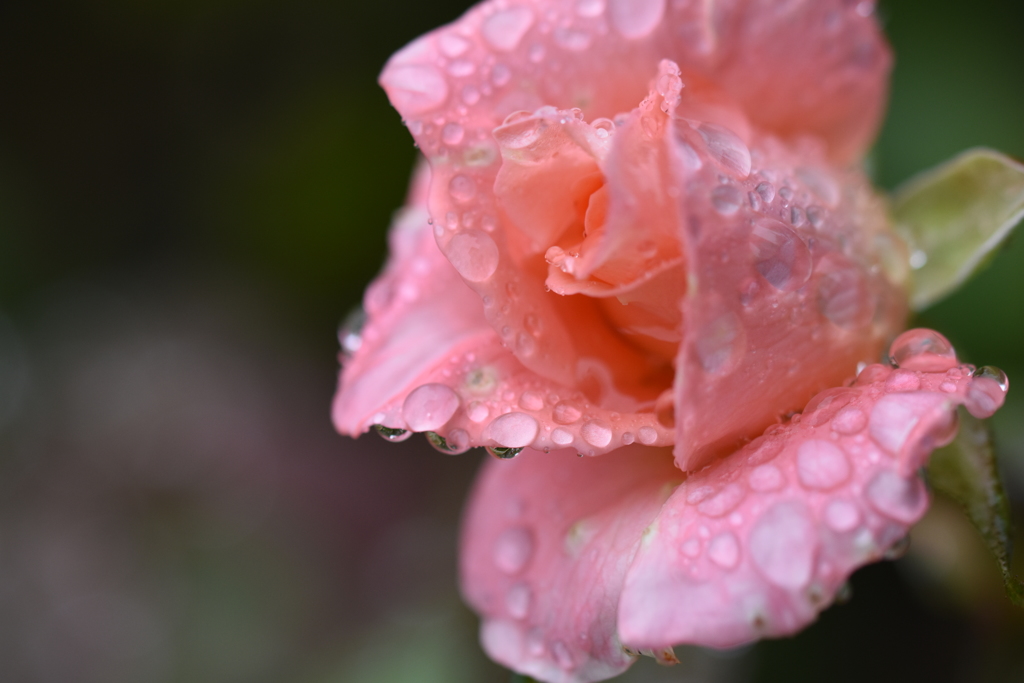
x=419, y=312
x=757, y=544
x=794, y=280
x=545, y=547
x=457, y=84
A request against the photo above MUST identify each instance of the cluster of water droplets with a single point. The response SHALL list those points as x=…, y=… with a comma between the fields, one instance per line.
x=484, y=399
x=837, y=486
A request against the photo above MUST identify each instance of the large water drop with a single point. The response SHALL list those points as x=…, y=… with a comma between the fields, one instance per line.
x=504, y=29
x=513, y=430
x=781, y=257
x=474, y=255
x=821, y=465
x=429, y=407
x=923, y=350
x=783, y=545
x=636, y=18
x=726, y=148
x=415, y=88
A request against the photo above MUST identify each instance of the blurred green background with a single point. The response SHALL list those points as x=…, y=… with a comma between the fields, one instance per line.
x=192, y=195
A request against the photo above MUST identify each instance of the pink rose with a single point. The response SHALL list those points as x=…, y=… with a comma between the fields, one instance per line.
x=644, y=235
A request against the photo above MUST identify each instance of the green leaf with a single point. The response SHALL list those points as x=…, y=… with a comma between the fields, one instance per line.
x=966, y=471
x=953, y=216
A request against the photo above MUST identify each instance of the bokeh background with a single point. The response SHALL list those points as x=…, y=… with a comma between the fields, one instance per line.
x=192, y=195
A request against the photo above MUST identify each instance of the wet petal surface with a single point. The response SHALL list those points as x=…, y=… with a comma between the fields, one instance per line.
x=547, y=541
x=759, y=543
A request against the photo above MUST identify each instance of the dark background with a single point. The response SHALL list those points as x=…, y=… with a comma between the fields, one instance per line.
x=192, y=195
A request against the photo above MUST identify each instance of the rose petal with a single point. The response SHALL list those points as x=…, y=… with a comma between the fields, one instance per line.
x=458, y=84
x=757, y=544
x=500, y=57
x=546, y=544
x=429, y=361
x=419, y=312
x=794, y=280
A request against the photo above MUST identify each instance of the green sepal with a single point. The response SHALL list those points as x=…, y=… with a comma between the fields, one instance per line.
x=953, y=216
x=966, y=471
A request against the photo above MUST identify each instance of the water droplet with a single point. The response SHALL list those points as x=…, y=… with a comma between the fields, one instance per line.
x=843, y=298
x=821, y=465
x=462, y=188
x=842, y=516
x=724, y=550
x=596, y=433
x=647, y=435
x=455, y=443
x=628, y=438
x=461, y=68
x=566, y=413
x=690, y=547
x=786, y=194
x=452, y=134
x=503, y=30
x=766, y=190
x=766, y=478
x=816, y=216
x=755, y=200
x=513, y=430
x=571, y=39
x=503, y=453
x=896, y=497
x=531, y=400
x=698, y=494
x=849, y=420
x=986, y=392
x=526, y=345
x=513, y=550
x=783, y=545
x=796, y=217
x=477, y=412
x=589, y=8
x=519, y=130
x=562, y=655
x=635, y=18
x=517, y=600
x=995, y=374
x=561, y=437
x=897, y=549
x=350, y=333
x=723, y=502
x=922, y=350
x=781, y=256
x=452, y=46
x=392, y=434
x=429, y=406
x=500, y=75
x=896, y=416
x=474, y=255
x=726, y=199
x=726, y=148
x=415, y=88
x=720, y=344
x=903, y=380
